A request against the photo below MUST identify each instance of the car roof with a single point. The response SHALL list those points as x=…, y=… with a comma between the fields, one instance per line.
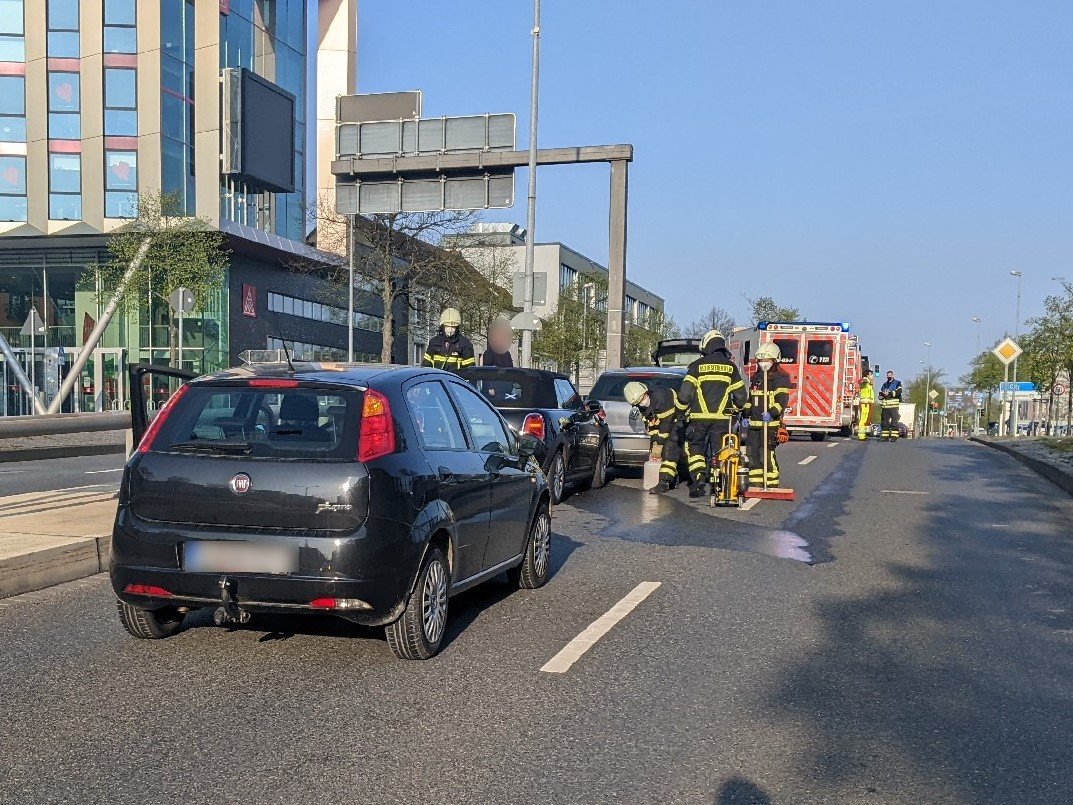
x=537, y=374
x=357, y=374
x=629, y=370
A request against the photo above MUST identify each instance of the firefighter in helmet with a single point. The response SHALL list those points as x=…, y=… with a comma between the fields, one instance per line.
x=660, y=408
x=711, y=391
x=864, y=410
x=765, y=409
x=890, y=397
x=449, y=349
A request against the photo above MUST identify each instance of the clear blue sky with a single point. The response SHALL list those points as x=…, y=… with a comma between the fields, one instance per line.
x=882, y=163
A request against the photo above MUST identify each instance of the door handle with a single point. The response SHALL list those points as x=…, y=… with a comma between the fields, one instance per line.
x=446, y=476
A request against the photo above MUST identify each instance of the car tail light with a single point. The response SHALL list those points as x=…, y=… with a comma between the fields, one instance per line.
x=146, y=444
x=377, y=435
x=272, y=383
x=534, y=425
x=147, y=589
x=339, y=603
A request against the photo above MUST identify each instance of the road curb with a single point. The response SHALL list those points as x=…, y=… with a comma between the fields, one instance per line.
x=48, y=567
x=1056, y=474
x=72, y=451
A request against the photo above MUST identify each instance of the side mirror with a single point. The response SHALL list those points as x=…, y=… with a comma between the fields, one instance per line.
x=594, y=407
x=528, y=444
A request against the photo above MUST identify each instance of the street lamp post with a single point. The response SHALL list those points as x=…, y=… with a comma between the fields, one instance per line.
x=530, y=215
x=975, y=406
x=927, y=394
x=1016, y=337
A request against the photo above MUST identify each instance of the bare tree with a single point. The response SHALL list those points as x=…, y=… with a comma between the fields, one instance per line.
x=716, y=318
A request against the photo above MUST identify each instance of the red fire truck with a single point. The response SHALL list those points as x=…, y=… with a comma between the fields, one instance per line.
x=825, y=365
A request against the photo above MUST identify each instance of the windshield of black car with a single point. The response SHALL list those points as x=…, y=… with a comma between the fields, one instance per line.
x=609, y=386
x=507, y=389
x=300, y=423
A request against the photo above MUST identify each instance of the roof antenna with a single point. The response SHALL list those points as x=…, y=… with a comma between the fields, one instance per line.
x=279, y=335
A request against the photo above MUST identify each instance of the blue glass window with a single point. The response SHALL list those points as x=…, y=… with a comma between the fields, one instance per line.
x=64, y=207
x=63, y=15
x=13, y=176
x=11, y=21
x=120, y=205
x=63, y=92
x=65, y=173
x=119, y=12
x=121, y=170
x=120, y=40
x=12, y=208
x=12, y=129
x=12, y=95
x=64, y=126
x=120, y=123
x=63, y=44
x=12, y=48
x=120, y=88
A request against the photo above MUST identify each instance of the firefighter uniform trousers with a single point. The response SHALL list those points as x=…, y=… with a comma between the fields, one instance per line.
x=662, y=416
x=889, y=417
x=754, y=448
x=778, y=397
x=862, y=420
x=711, y=388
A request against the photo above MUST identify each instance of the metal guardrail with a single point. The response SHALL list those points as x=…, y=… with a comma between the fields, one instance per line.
x=55, y=424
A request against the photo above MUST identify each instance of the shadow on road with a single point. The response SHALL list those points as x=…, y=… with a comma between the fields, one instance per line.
x=958, y=673
x=738, y=791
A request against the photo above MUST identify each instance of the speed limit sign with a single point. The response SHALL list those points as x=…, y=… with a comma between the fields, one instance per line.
x=1059, y=390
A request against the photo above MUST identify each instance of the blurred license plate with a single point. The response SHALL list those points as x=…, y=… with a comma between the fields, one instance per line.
x=239, y=557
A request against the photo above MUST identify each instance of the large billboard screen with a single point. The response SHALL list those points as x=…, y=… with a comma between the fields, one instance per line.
x=259, y=128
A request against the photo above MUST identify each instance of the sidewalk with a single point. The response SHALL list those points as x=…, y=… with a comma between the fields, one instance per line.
x=34, y=448
x=48, y=538
x=1039, y=454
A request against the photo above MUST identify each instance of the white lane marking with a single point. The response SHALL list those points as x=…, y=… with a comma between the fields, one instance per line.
x=808, y=460
x=750, y=503
x=572, y=651
x=11, y=472
x=902, y=492
x=98, y=472
x=833, y=444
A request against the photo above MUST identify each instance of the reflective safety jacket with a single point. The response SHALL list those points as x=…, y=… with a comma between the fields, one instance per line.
x=661, y=414
x=890, y=394
x=868, y=394
x=712, y=385
x=778, y=397
x=452, y=353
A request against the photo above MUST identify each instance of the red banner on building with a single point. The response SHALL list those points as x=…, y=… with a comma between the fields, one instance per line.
x=249, y=301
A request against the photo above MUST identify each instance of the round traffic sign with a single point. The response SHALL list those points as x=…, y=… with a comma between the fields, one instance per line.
x=1059, y=390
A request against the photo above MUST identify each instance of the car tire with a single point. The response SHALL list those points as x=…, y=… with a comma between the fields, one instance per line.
x=819, y=437
x=536, y=564
x=599, y=473
x=557, y=477
x=147, y=624
x=418, y=634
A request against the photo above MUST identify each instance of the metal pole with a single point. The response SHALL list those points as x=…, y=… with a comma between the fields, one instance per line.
x=526, y=357
x=180, y=336
x=1016, y=337
x=98, y=330
x=616, y=263
x=350, y=305
x=20, y=375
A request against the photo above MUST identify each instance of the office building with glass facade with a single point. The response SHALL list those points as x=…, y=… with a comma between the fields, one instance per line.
x=103, y=102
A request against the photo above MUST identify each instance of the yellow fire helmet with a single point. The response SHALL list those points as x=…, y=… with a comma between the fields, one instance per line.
x=451, y=318
x=769, y=351
x=634, y=392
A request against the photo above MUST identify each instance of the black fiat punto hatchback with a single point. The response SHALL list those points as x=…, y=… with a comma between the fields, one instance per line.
x=372, y=493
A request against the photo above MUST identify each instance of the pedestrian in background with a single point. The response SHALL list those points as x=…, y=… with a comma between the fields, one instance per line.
x=890, y=397
x=500, y=339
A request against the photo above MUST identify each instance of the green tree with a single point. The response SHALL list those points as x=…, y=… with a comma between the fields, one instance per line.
x=985, y=375
x=764, y=308
x=916, y=391
x=1052, y=339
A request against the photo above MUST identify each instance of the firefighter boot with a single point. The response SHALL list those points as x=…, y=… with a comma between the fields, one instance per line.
x=660, y=488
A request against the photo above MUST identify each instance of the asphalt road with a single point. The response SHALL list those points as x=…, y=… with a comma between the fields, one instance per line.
x=901, y=633
x=19, y=477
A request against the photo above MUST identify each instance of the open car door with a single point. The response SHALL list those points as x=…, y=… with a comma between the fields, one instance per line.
x=151, y=385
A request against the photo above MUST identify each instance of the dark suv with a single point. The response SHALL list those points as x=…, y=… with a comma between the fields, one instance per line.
x=362, y=492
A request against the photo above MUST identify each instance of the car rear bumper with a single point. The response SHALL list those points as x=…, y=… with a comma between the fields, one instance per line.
x=378, y=572
x=629, y=449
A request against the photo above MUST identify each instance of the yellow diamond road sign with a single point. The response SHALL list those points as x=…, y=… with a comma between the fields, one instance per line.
x=1007, y=351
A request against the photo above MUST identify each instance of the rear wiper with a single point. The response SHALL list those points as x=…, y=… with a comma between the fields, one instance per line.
x=213, y=447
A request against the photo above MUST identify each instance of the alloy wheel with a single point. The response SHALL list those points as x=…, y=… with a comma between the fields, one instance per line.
x=434, y=602
x=541, y=544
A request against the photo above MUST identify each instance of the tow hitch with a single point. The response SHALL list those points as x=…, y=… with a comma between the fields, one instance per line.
x=228, y=611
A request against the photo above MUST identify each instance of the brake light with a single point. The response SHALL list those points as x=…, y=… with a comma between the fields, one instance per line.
x=147, y=589
x=146, y=444
x=377, y=435
x=272, y=383
x=534, y=425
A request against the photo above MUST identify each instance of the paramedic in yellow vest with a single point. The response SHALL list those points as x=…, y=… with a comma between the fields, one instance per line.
x=864, y=413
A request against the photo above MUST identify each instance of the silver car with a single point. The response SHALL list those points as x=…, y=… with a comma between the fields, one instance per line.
x=629, y=434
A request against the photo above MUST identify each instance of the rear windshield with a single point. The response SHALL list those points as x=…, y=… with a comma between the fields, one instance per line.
x=300, y=423
x=609, y=386
x=820, y=351
x=506, y=389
